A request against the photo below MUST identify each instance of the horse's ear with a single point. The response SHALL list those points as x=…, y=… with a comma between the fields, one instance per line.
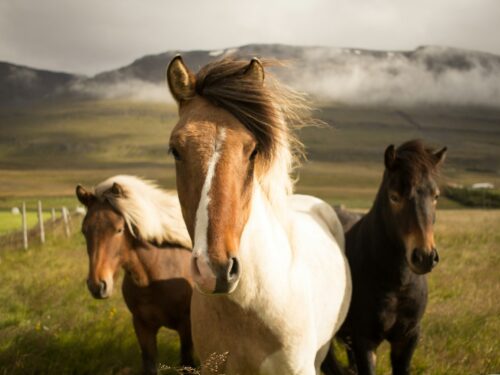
x=181, y=81
x=440, y=156
x=390, y=157
x=255, y=70
x=84, y=196
x=117, y=190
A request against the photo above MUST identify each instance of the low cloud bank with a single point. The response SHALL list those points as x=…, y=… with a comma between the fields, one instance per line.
x=426, y=76
x=133, y=89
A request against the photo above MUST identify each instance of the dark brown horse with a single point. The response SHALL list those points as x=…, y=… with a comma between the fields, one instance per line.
x=119, y=228
x=390, y=250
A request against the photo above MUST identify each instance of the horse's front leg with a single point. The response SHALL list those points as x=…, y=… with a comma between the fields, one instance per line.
x=186, y=343
x=364, y=355
x=401, y=353
x=146, y=335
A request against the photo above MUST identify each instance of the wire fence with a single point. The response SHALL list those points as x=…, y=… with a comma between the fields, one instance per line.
x=25, y=236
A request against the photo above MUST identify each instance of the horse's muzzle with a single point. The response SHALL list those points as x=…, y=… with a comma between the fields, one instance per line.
x=423, y=261
x=99, y=290
x=220, y=279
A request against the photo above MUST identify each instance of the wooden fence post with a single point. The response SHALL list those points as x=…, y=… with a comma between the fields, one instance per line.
x=64, y=212
x=53, y=213
x=25, y=227
x=40, y=222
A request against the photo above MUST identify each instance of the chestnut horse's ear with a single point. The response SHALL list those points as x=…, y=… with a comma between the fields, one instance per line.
x=440, y=156
x=390, y=157
x=255, y=70
x=117, y=190
x=84, y=196
x=181, y=81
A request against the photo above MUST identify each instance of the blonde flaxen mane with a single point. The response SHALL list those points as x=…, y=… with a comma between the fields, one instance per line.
x=151, y=214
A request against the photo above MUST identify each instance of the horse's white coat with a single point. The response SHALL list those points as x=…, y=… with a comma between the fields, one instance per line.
x=294, y=275
x=201, y=227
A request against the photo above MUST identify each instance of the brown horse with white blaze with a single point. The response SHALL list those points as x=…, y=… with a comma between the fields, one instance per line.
x=131, y=224
x=265, y=262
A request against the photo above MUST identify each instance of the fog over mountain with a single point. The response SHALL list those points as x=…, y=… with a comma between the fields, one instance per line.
x=427, y=75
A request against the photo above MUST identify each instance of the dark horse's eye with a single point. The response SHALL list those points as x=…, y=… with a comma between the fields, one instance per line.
x=253, y=154
x=175, y=153
x=119, y=230
x=394, y=197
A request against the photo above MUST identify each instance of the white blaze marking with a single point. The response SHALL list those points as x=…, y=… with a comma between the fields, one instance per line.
x=201, y=226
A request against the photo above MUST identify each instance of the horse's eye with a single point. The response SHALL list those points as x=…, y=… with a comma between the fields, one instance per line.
x=175, y=153
x=253, y=154
x=394, y=197
x=119, y=230
x=436, y=197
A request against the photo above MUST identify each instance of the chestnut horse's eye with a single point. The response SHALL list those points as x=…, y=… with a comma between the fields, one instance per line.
x=175, y=153
x=253, y=154
x=119, y=230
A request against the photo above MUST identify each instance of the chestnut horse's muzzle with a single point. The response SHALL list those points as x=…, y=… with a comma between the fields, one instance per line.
x=99, y=290
x=215, y=279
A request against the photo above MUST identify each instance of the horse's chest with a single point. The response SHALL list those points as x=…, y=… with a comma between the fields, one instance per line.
x=398, y=312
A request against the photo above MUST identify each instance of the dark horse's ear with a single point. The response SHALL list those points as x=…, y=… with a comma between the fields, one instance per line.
x=255, y=70
x=390, y=157
x=117, y=190
x=440, y=156
x=84, y=196
x=181, y=81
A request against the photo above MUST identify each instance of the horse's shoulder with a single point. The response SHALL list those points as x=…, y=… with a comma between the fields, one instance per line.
x=322, y=212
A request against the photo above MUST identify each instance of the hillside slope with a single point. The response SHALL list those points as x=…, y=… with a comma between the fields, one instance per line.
x=19, y=84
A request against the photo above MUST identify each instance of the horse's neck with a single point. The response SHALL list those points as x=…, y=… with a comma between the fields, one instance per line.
x=143, y=262
x=265, y=254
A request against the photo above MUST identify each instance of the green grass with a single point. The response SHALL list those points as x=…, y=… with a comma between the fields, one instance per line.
x=10, y=222
x=49, y=324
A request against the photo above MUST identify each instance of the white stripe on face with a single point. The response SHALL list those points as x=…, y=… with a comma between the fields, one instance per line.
x=201, y=226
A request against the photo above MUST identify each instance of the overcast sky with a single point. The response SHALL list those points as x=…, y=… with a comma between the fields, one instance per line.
x=89, y=36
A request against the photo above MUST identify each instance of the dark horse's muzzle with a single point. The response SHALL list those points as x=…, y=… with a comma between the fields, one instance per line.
x=423, y=261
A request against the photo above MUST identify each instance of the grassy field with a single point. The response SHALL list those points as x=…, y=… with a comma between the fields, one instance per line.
x=49, y=323
x=45, y=150
x=10, y=222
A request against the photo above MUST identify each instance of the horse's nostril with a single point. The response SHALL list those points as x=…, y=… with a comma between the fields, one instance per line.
x=233, y=269
x=416, y=257
x=102, y=288
x=435, y=257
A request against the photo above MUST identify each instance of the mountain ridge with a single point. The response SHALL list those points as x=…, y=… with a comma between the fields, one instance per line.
x=426, y=74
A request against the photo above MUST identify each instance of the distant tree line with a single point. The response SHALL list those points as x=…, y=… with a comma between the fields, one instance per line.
x=485, y=198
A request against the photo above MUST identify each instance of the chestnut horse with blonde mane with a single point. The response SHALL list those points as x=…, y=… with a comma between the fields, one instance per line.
x=134, y=225
x=272, y=281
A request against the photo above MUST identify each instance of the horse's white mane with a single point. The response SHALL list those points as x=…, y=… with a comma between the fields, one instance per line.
x=151, y=213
